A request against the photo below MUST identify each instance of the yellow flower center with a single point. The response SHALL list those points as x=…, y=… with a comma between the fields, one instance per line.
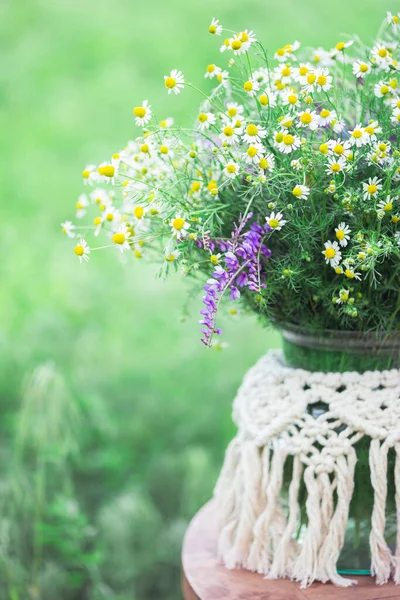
x=288, y=139
x=164, y=149
x=357, y=133
x=285, y=71
x=340, y=46
x=232, y=111
x=369, y=129
x=244, y=37
x=170, y=82
x=340, y=234
x=296, y=191
x=212, y=185
x=306, y=118
x=274, y=223
x=248, y=86
x=210, y=68
x=107, y=171
x=251, y=151
x=317, y=58
x=118, y=238
x=338, y=149
x=138, y=211
x=395, y=219
x=280, y=52
x=86, y=174
x=372, y=189
x=212, y=29
x=79, y=251
x=324, y=148
x=231, y=168
x=214, y=259
x=388, y=207
x=178, y=223
x=321, y=80
x=335, y=167
x=228, y=131
x=79, y=205
x=349, y=274
x=363, y=68
x=263, y=164
x=384, y=89
x=252, y=130
x=325, y=113
x=139, y=111
x=382, y=52
x=110, y=217
x=393, y=83
x=311, y=78
x=236, y=45
x=196, y=185
x=203, y=117
x=303, y=71
x=292, y=98
x=382, y=147
x=97, y=221
x=330, y=253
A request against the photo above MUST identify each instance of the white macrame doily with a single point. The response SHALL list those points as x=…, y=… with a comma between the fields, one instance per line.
x=270, y=411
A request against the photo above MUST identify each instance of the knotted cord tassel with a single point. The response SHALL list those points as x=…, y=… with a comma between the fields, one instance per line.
x=381, y=555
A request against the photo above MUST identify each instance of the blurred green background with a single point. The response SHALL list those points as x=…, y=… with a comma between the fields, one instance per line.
x=117, y=438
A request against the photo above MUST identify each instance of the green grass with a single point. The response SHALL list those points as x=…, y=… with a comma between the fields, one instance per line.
x=154, y=405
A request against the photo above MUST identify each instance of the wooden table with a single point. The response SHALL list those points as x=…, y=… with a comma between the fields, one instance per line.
x=204, y=577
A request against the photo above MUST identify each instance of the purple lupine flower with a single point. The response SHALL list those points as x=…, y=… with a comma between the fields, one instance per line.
x=243, y=268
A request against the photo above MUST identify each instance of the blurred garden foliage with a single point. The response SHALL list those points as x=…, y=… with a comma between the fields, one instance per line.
x=114, y=418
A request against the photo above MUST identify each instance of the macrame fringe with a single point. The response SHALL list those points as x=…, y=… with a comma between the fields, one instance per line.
x=256, y=534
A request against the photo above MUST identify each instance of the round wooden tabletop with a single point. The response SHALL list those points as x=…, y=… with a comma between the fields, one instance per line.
x=205, y=578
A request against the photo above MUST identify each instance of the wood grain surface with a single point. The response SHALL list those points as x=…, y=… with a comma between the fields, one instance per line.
x=205, y=578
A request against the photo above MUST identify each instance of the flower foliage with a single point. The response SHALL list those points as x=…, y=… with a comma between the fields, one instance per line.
x=284, y=193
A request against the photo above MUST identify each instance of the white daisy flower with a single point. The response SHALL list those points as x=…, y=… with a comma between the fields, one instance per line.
x=100, y=196
x=268, y=98
x=276, y=221
x=387, y=204
x=332, y=254
x=121, y=238
x=142, y=113
x=267, y=162
x=358, y=137
x=326, y=117
x=234, y=109
x=179, y=227
x=174, y=82
x=382, y=89
x=172, y=255
x=343, y=296
x=301, y=192
x=361, y=68
x=286, y=53
x=372, y=129
x=108, y=171
x=226, y=45
x=223, y=78
x=339, y=147
x=215, y=27
x=336, y=165
x=82, y=250
x=372, y=187
x=309, y=118
x=68, y=228
x=341, y=47
x=229, y=135
x=290, y=97
x=395, y=102
x=231, y=169
x=90, y=174
x=351, y=274
x=251, y=87
x=237, y=46
x=395, y=118
x=283, y=72
x=288, y=143
x=324, y=80
x=110, y=214
x=381, y=57
x=81, y=205
x=205, y=120
x=342, y=232
x=300, y=73
x=253, y=153
x=212, y=71
x=165, y=123
x=322, y=58
x=254, y=133
x=393, y=20
x=286, y=121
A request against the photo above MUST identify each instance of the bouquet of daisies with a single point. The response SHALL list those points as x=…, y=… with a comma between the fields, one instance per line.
x=284, y=193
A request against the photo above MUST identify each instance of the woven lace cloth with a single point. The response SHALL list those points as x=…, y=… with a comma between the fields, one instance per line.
x=270, y=411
